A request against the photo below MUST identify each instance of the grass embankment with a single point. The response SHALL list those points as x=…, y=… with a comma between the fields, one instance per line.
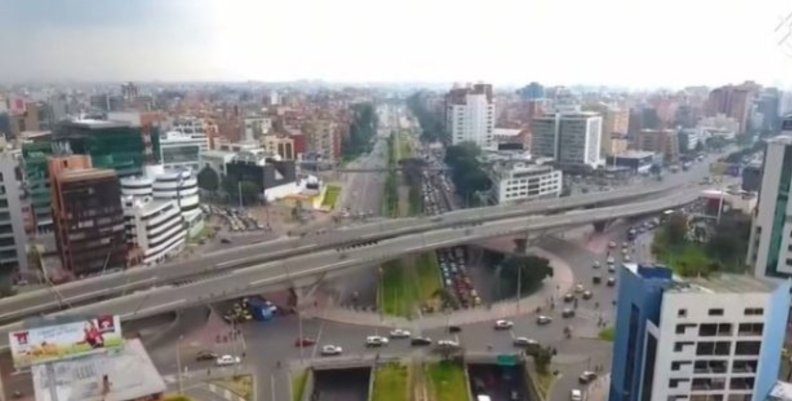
x=177, y=398
x=331, y=196
x=241, y=385
x=398, y=293
x=404, y=149
x=298, y=381
x=428, y=271
x=607, y=334
x=447, y=381
x=390, y=383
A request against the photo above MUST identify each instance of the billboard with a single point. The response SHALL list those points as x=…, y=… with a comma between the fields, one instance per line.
x=69, y=340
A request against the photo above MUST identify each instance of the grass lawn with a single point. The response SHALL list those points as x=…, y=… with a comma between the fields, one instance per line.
x=447, y=381
x=606, y=334
x=428, y=272
x=241, y=385
x=298, y=380
x=405, y=152
x=177, y=398
x=390, y=383
x=397, y=290
x=331, y=196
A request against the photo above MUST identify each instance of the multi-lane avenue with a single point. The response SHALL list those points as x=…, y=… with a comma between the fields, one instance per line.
x=122, y=283
x=254, y=279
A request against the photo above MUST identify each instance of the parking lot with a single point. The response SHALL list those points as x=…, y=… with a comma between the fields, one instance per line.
x=236, y=219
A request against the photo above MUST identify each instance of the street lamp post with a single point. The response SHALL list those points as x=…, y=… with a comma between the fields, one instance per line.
x=179, y=365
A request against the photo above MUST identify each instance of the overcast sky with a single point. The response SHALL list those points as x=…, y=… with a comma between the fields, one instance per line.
x=638, y=43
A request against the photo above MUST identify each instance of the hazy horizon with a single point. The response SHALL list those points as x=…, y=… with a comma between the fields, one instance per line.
x=615, y=43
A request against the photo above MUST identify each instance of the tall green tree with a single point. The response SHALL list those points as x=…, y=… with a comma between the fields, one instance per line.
x=676, y=228
x=208, y=180
x=250, y=193
x=531, y=270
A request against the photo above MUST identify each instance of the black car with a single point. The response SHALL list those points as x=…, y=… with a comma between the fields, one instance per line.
x=569, y=297
x=611, y=281
x=225, y=241
x=596, y=279
x=454, y=329
x=420, y=341
x=205, y=356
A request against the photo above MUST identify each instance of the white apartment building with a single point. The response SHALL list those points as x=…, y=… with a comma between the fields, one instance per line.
x=714, y=342
x=179, y=185
x=571, y=139
x=155, y=229
x=697, y=339
x=770, y=244
x=470, y=115
x=520, y=181
x=182, y=150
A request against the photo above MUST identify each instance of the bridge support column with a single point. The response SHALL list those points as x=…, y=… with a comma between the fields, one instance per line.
x=599, y=226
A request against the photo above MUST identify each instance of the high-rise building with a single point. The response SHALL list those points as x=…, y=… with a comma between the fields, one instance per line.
x=115, y=145
x=519, y=181
x=733, y=101
x=768, y=105
x=34, y=156
x=663, y=141
x=571, y=139
x=88, y=216
x=715, y=338
x=532, y=91
x=13, y=239
x=614, y=121
x=770, y=244
x=155, y=229
x=470, y=115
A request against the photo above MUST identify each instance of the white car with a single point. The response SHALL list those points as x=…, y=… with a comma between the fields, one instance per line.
x=503, y=324
x=400, y=333
x=612, y=244
x=575, y=395
x=611, y=260
x=376, y=341
x=227, y=360
x=448, y=343
x=331, y=350
x=524, y=342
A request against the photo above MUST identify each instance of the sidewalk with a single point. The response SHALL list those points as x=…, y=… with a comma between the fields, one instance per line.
x=562, y=281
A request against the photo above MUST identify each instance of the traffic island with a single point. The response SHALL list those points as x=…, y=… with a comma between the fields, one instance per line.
x=299, y=379
x=239, y=385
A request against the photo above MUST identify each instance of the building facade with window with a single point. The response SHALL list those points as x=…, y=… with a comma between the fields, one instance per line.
x=13, y=239
x=713, y=339
x=182, y=150
x=88, y=216
x=520, y=181
x=770, y=243
x=470, y=115
x=155, y=229
x=572, y=139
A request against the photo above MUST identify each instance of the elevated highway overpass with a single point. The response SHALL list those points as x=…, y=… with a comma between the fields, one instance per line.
x=216, y=263
x=308, y=268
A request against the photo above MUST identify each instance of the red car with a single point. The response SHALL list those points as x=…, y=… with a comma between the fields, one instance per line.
x=304, y=342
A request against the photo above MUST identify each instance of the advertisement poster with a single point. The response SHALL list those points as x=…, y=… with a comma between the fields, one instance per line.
x=63, y=341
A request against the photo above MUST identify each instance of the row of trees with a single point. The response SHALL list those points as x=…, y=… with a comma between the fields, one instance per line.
x=361, y=131
x=724, y=249
x=392, y=179
x=431, y=124
x=466, y=171
x=210, y=181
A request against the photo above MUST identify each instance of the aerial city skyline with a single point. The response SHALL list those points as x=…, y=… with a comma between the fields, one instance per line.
x=417, y=200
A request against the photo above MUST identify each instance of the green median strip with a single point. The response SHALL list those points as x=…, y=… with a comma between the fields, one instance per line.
x=390, y=383
x=298, y=381
x=447, y=381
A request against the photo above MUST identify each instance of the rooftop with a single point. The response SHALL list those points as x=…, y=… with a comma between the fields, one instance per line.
x=730, y=283
x=781, y=139
x=86, y=174
x=634, y=154
x=81, y=378
x=90, y=123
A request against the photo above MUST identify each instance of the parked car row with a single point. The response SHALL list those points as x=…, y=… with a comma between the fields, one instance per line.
x=238, y=220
